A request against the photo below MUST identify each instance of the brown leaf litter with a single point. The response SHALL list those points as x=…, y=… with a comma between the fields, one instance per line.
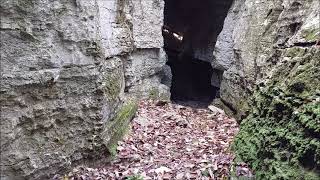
x=170, y=141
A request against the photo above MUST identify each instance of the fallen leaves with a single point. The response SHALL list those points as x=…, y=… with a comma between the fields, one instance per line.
x=170, y=141
x=162, y=170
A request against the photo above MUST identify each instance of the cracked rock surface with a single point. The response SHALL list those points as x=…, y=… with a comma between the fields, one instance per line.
x=64, y=70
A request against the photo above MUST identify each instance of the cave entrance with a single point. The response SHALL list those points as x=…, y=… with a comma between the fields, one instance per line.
x=191, y=80
x=190, y=32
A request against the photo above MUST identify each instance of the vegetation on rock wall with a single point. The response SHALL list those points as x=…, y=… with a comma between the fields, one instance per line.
x=311, y=35
x=281, y=136
x=119, y=125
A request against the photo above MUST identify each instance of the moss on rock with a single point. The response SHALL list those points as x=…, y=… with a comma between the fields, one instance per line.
x=154, y=94
x=113, y=83
x=295, y=52
x=312, y=34
x=114, y=86
x=119, y=125
x=280, y=138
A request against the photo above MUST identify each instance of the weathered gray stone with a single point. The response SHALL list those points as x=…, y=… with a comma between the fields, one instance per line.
x=68, y=67
x=53, y=86
x=261, y=28
x=147, y=20
x=63, y=79
x=143, y=70
x=223, y=55
x=144, y=64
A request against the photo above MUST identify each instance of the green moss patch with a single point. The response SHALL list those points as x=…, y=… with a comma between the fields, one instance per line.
x=295, y=52
x=280, y=138
x=154, y=94
x=312, y=34
x=119, y=125
x=113, y=85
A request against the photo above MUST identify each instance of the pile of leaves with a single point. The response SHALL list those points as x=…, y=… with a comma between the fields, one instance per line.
x=170, y=141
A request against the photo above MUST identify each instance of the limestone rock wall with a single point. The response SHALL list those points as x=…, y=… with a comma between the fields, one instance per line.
x=270, y=50
x=65, y=66
x=280, y=136
x=144, y=65
x=254, y=32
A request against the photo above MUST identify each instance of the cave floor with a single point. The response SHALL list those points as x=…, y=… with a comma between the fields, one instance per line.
x=171, y=141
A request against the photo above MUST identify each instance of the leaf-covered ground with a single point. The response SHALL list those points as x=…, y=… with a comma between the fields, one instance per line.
x=170, y=141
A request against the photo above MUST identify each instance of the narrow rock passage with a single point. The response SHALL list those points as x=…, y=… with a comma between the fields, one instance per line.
x=170, y=141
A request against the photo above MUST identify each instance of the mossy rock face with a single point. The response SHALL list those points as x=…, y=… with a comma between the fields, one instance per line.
x=113, y=87
x=119, y=125
x=295, y=52
x=112, y=78
x=312, y=34
x=154, y=94
x=280, y=138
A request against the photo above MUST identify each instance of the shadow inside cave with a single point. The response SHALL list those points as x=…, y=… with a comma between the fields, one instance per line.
x=191, y=82
x=190, y=32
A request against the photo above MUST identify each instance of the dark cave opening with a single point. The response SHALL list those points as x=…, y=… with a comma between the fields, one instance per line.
x=190, y=32
x=191, y=80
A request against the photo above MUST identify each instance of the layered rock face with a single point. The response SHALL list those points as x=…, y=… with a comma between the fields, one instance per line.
x=67, y=68
x=270, y=51
x=71, y=67
x=253, y=34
